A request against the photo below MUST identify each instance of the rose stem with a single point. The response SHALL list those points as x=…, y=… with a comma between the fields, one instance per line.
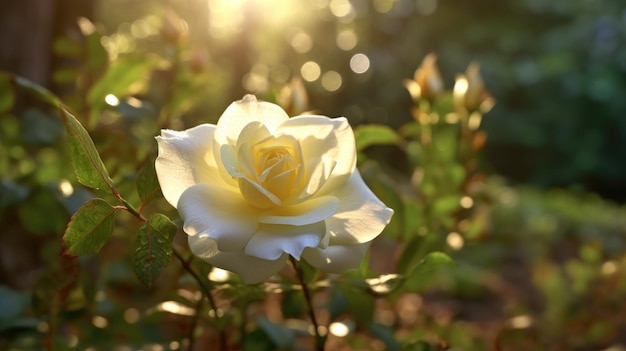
x=319, y=339
x=206, y=292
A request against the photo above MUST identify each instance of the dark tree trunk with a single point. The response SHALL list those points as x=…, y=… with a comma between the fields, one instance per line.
x=28, y=29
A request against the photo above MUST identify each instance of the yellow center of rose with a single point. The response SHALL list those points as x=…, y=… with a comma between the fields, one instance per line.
x=276, y=169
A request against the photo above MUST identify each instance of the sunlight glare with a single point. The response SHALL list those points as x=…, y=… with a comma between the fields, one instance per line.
x=66, y=188
x=359, y=63
x=340, y=8
x=521, y=322
x=99, y=322
x=219, y=275
x=310, y=71
x=474, y=121
x=131, y=315
x=111, y=100
x=331, y=81
x=346, y=39
x=467, y=202
x=230, y=17
x=339, y=329
x=455, y=241
x=225, y=17
x=608, y=268
x=301, y=42
x=383, y=6
x=460, y=88
x=176, y=308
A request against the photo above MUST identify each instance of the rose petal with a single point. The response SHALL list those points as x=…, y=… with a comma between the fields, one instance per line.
x=272, y=241
x=203, y=246
x=251, y=269
x=308, y=212
x=253, y=133
x=361, y=215
x=255, y=194
x=220, y=214
x=185, y=159
x=332, y=139
x=336, y=259
x=319, y=173
x=240, y=113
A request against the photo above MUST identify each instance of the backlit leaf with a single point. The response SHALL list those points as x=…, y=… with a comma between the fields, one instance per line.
x=153, y=248
x=90, y=228
x=118, y=78
x=375, y=135
x=39, y=91
x=66, y=47
x=429, y=263
x=88, y=166
x=147, y=182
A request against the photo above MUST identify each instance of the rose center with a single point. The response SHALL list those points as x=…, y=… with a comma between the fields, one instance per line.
x=276, y=170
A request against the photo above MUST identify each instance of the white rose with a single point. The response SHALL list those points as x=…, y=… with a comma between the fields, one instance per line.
x=260, y=186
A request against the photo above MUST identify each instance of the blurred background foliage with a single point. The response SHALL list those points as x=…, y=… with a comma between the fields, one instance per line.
x=529, y=205
x=556, y=68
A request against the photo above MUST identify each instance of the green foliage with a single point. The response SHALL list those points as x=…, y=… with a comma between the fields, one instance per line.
x=375, y=135
x=88, y=166
x=147, y=182
x=281, y=336
x=90, y=228
x=153, y=248
x=119, y=81
x=466, y=262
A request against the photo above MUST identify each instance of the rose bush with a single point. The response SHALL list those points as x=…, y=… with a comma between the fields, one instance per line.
x=260, y=186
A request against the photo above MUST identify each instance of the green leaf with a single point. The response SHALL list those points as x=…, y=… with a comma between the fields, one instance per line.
x=65, y=76
x=280, y=335
x=375, y=135
x=153, y=248
x=64, y=46
x=446, y=141
x=412, y=248
x=88, y=166
x=7, y=94
x=430, y=263
x=147, y=182
x=446, y=205
x=360, y=303
x=90, y=228
x=96, y=55
x=39, y=91
x=118, y=78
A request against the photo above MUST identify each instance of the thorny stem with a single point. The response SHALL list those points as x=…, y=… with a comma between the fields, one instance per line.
x=320, y=340
x=185, y=264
